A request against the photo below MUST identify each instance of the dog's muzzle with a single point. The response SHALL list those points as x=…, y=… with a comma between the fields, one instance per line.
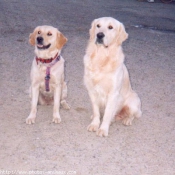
x=40, y=40
x=40, y=44
x=100, y=37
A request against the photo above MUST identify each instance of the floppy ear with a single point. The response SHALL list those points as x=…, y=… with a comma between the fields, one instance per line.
x=32, y=38
x=92, y=30
x=122, y=35
x=61, y=40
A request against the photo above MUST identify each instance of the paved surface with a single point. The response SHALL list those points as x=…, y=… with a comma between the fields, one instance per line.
x=146, y=148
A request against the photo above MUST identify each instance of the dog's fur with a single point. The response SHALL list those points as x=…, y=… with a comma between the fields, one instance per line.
x=106, y=77
x=53, y=41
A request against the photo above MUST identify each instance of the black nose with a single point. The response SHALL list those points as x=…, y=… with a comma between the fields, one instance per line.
x=100, y=35
x=40, y=40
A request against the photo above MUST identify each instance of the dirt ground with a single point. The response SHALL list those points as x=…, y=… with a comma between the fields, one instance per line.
x=145, y=148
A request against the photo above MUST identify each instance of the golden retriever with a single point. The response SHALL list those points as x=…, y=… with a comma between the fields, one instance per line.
x=47, y=72
x=106, y=77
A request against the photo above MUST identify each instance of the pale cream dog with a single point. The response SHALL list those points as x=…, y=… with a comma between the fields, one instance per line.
x=48, y=42
x=106, y=76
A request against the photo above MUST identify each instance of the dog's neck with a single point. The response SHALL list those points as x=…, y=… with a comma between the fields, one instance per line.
x=50, y=61
x=111, y=50
x=45, y=54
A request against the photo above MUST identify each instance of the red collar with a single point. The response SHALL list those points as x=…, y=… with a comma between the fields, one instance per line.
x=42, y=60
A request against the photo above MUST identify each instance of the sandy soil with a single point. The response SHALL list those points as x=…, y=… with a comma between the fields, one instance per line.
x=146, y=148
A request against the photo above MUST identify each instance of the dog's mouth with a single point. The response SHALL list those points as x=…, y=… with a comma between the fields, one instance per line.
x=100, y=39
x=43, y=47
x=100, y=42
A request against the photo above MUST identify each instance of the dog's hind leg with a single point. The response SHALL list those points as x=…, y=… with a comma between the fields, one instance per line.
x=131, y=109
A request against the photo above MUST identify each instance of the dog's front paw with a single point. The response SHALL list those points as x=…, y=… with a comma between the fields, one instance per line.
x=56, y=118
x=93, y=127
x=30, y=119
x=128, y=121
x=102, y=132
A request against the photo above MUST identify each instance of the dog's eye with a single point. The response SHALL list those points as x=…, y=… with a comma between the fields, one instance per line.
x=39, y=32
x=110, y=27
x=49, y=34
x=98, y=25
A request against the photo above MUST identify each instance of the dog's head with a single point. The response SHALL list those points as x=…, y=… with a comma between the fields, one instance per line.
x=47, y=38
x=107, y=31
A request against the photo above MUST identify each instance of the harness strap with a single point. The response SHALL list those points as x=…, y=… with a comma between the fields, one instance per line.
x=47, y=78
x=49, y=63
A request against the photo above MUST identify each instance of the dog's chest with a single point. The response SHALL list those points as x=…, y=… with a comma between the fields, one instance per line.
x=51, y=82
x=99, y=81
x=99, y=84
x=99, y=70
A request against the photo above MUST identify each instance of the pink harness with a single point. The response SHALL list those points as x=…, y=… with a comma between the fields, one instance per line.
x=51, y=62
